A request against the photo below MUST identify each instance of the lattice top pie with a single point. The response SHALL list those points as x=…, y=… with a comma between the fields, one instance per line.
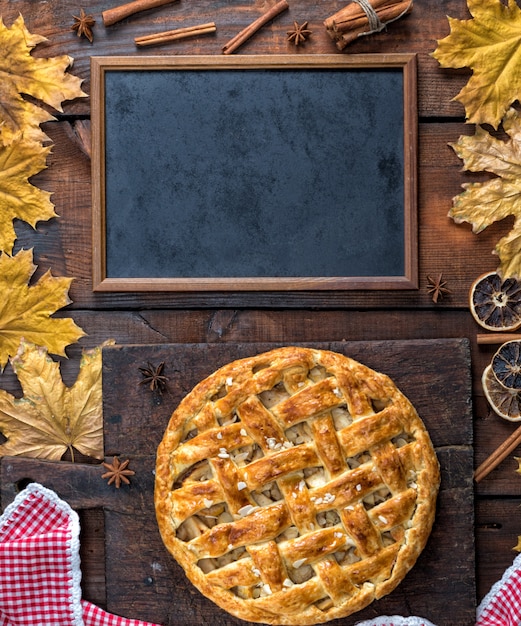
x=296, y=486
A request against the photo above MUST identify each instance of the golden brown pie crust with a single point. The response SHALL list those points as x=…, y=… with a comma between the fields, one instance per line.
x=296, y=486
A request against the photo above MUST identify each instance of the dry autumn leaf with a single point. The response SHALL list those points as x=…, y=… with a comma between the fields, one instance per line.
x=44, y=79
x=489, y=44
x=51, y=418
x=19, y=199
x=482, y=204
x=25, y=309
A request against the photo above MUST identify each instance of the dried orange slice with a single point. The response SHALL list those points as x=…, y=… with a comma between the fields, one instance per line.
x=506, y=365
x=495, y=303
x=505, y=402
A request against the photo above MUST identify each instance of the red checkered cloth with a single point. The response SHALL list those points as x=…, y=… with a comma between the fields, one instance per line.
x=502, y=605
x=40, y=565
x=94, y=616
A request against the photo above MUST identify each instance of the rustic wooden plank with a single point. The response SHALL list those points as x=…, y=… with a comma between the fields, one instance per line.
x=423, y=370
x=64, y=244
x=222, y=325
x=92, y=555
x=436, y=377
x=82, y=487
x=80, y=484
x=416, y=32
x=497, y=531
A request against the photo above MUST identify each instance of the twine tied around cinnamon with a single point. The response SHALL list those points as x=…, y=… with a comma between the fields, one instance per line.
x=375, y=24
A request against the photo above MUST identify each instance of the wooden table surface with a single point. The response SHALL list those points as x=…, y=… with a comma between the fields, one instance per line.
x=64, y=244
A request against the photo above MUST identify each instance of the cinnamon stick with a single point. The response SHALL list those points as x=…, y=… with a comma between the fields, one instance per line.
x=116, y=14
x=173, y=35
x=352, y=21
x=491, y=339
x=250, y=30
x=353, y=11
x=506, y=448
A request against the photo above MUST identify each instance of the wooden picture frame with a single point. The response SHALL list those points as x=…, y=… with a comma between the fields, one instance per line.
x=254, y=173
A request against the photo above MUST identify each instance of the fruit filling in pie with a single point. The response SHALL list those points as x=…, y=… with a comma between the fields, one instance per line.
x=295, y=486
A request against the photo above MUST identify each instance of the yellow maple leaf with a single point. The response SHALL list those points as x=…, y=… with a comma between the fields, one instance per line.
x=25, y=309
x=489, y=44
x=44, y=79
x=51, y=418
x=517, y=548
x=18, y=197
x=482, y=204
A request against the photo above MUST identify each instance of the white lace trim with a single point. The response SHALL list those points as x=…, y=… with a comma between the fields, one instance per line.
x=396, y=620
x=73, y=547
x=496, y=587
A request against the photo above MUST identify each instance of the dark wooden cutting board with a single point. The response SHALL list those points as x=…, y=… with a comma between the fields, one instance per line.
x=144, y=582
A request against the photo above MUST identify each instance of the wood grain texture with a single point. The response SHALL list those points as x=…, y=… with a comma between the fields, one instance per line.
x=417, y=32
x=497, y=532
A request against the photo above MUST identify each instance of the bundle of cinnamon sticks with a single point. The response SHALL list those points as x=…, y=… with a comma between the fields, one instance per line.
x=364, y=17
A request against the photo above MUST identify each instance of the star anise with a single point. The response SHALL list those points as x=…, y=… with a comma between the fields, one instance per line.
x=83, y=25
x=117, y=472
x=437, y=287
x=299, y=34
x=153, y=376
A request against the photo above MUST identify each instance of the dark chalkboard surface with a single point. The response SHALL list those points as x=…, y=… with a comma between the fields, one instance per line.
x=254, y=173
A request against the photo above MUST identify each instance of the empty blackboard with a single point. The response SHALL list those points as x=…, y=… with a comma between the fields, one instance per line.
x=254, y=173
